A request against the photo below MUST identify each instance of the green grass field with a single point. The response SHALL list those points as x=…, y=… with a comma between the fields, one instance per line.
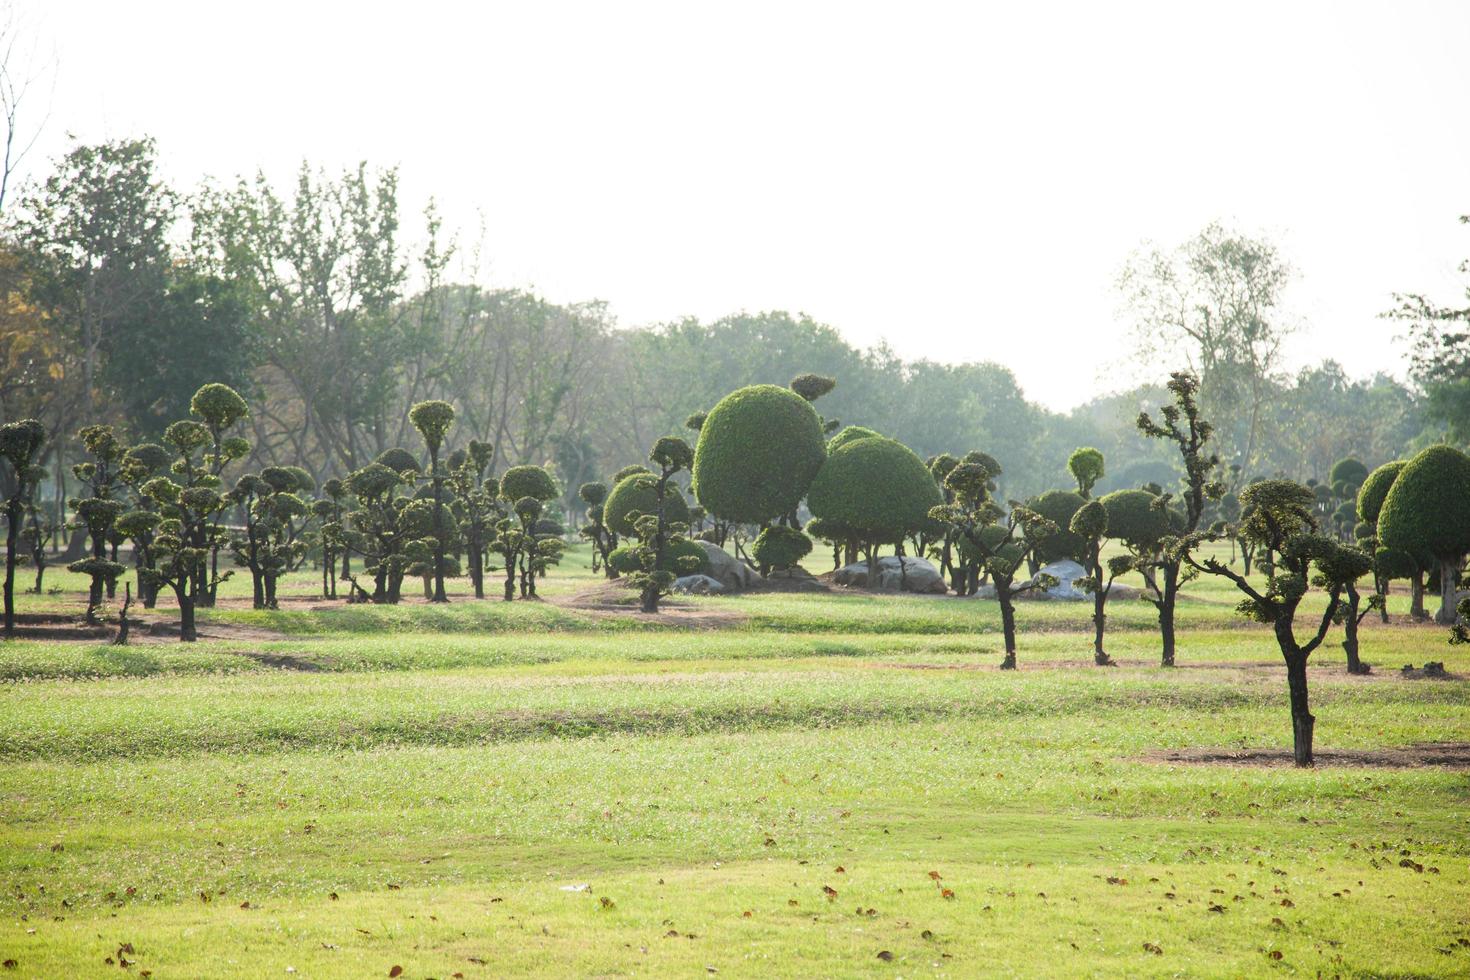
x=764, y=785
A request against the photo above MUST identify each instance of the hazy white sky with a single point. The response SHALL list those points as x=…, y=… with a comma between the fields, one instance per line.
x=962, y=180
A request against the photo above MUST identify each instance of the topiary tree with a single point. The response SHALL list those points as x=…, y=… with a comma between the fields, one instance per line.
x=604, y=540
x=528, y=481
x=779, y=546
x=1278, y=514
x=1001, y=542
x=1426, y=514
x=518, y=485
x=1346, y=477
x=371, y=530
x=657, y=534
x=1090, y=525
x=219, y=408
x=759, y=450
x=434, y=419
x=638, y=494
x=140, y=464
x=939, y=468
x=1348, y=564
x=1190, y=433
x=97, y=511
x=271, y=545
x=21, y=445
x=1086, y=466
x=474, y=502
x=1387, y=566
x=179, y=538
x=876, y=488
x=851, y=433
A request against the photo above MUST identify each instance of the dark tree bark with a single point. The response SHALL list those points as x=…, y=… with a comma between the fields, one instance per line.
x=12, y=543
x=1302, y=721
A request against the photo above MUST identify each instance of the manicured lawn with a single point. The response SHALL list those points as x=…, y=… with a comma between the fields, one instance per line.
x=493, y=789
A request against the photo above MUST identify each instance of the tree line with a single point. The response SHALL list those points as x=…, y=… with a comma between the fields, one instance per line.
x=125, y=295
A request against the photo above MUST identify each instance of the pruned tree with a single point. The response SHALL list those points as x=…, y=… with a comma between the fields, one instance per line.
x=1086, y=466
x=1000, y=541
x=656, y=533
x=475, y=506
x=1426, y=515
x=1090, y=525
x=433, y=419
x=97, y=512
x=21, y=445
x=758, y=452
x=1182, y=425
x=779, y=547
x=603, y=539
x=1386, y=565
x=1278, y=514
x=878, y=490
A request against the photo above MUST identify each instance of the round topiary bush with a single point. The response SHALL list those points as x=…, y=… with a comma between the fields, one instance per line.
x=759, y=450
x=1375, y=488
x=220, y=406
x=1058, y=506
x=1133, y=518
x=850, y=434
x=399, y=460
x=877, y=487
x=1347, y=473
x=625, y=559
x=527, y=481
x=780, y=547
x=639, y=493
x=1087, y=467
x=1427, y=514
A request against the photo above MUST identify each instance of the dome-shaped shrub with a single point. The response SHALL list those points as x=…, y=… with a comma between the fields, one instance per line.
x=639, y=492
x=849, y=434
x=1427, y=510
x=1375, y=489
x=1058, y=506
x=877, y=487
x=758, y=451
x=527, y=481
x=1133, y=518
x=399, y=460
x=780, y=547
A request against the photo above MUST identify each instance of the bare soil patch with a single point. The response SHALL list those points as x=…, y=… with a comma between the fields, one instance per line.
x=1445, y=755
x=62, y=627
x=609, y=600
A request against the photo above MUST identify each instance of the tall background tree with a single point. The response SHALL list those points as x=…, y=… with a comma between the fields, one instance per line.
x=1216, y=300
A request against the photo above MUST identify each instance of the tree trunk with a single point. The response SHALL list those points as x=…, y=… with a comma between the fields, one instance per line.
x=1416, y=596
x=187, y=633
x=648, y=601
x=1007, y=623
x=12, y=541
x=1166, y=612
x=1449, y=580
x=1301, y=716
x=1350, y=634
x=1099, y=602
